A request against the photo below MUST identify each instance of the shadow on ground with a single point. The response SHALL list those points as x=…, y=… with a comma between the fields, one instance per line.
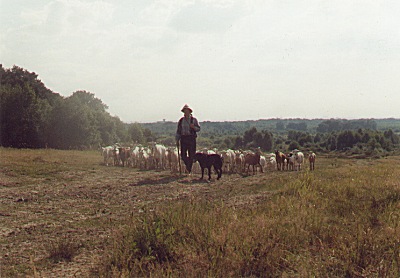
x=158, y=180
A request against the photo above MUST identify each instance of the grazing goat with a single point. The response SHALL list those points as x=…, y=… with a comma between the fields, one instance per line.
x=144, y=158
x=272, y=162
x=299, y=158
x=229, y=159
x=280, y=160
x=124, y=155
x=290, y=161
x=116, y=156
x=135, y=156
x=158, y=152
x=311, y=159
x=107, y=153
x=263, y=163
x=173, y=159
x=254, y=160
x=207, y=151
x=207, y=161
x=239, y=161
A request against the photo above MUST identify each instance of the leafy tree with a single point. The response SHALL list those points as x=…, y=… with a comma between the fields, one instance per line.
x=19, y=77
x=268, y=141
x=89, y=100
x=107, y=129
x=294, y=145
x=254, y=139
x=136, y=133
x=393, y=137
x=23, y=117
x=148, y=135
x=365, y=137
x=257, y=140
x=301, y=137
x=248, y=135
x=228, y=142
x=373, y=144
x=239, y=143
x=346, y=139
x=304, y=139
x=81, y=121
x=25, y=108
x=71, y=125
x=121, y=130
x=331, y=142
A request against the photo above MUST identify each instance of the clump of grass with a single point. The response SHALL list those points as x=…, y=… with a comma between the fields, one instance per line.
x=198, y=239
x=140, y=247
x=63, y=249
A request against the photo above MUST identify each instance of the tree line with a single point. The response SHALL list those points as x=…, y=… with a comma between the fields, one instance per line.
x=282, y=126
x=361, y=136
x=361, y=141
x=33, y=116
x=354, y=142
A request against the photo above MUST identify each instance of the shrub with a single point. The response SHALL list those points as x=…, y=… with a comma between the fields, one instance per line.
x=63, y=249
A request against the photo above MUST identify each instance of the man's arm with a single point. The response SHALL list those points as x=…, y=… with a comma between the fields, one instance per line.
x=195, y=125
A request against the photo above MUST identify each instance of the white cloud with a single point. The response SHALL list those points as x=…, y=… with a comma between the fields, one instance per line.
x=202, y=17
x=137, y=55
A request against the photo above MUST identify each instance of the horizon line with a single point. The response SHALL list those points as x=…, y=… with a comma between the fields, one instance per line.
x=268, y=119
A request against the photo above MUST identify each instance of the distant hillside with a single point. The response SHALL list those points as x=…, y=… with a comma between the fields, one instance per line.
x=312, y=126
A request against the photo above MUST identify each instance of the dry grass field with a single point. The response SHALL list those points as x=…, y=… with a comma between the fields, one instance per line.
x=64, y=214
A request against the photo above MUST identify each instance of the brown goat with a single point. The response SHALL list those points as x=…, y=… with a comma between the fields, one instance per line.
x=124, y=155
x=254, y=160
x=280, y=160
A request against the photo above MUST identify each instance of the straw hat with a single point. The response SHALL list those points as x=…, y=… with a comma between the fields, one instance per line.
x=186, y=107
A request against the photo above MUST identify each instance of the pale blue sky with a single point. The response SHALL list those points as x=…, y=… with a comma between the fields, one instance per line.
x=229, y=60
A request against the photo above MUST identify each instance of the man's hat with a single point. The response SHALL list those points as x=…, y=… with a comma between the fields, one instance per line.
x=186, y=107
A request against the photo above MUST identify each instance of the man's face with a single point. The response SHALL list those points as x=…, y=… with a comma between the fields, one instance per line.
x=187, y=112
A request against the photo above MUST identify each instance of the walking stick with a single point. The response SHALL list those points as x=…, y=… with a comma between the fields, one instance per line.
x=179, y=158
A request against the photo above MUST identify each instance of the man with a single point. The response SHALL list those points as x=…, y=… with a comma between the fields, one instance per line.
x=188, y=126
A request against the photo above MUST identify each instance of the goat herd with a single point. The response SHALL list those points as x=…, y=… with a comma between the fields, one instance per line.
x=159, y=157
